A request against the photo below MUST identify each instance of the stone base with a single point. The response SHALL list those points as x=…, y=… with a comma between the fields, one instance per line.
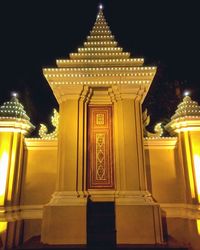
x=138, y=220
x=64, y=220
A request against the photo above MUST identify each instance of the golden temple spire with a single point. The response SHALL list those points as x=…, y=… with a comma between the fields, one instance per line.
x=100, y=61
x=100, y=48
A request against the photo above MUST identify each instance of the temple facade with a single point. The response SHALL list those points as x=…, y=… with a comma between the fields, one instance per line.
x=100, y=168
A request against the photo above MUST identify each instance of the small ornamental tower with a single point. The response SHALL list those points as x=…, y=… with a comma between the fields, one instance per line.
x=14, y=124
x=100, y=89
x=186, y=124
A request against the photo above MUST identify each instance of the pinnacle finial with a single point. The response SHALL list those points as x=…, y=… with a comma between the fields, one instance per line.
x=100, y=6
x=14, y=96
x=186, y=93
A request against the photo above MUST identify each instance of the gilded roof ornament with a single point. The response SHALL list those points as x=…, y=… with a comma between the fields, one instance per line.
x=158, y=130
x=43, y=131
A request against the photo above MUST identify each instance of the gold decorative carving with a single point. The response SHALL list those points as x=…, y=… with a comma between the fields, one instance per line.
x=43, y=131
x=100, y=156
x=100, y=119
x=157, y=128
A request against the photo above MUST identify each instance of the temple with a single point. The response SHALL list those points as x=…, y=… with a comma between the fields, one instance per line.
x=100, y=178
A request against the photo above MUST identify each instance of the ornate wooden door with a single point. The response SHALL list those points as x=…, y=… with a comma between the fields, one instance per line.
x=100, y=173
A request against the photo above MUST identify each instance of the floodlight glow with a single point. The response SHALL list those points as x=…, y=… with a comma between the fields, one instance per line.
x=3, y=226
x=3, y=175
x=100, y=6
x=198, y=226
x=197, y=173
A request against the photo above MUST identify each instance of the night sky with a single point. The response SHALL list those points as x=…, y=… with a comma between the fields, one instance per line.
x=36, y=33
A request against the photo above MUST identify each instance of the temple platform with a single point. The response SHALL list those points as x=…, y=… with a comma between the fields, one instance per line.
x=35, y=243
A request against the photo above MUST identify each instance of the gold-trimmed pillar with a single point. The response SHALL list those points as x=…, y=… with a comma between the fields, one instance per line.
x=138, y=218
x=64, y=218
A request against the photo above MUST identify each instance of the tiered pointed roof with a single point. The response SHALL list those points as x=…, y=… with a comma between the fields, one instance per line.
x=186, y=117
x=187, y=107
x=100, y=48
x=13, y=117
x=100, y=61
x=13, y=109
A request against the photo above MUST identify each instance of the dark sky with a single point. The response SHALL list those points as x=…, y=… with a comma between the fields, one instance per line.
x=36, y=33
